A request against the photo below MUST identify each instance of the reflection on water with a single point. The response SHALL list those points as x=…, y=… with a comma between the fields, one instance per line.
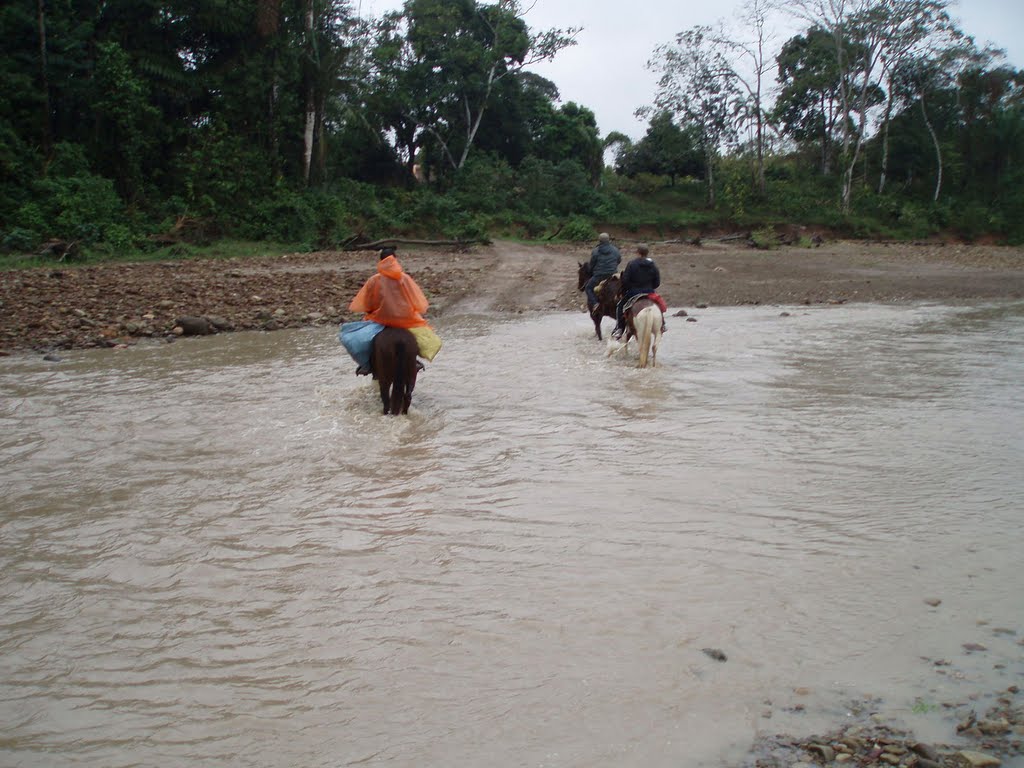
x=218, y=553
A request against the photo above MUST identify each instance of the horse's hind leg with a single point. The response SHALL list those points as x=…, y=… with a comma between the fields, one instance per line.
x=398, y=395
x=384, y=395
x=643, y=330
x=597, y=317
x=410, y=385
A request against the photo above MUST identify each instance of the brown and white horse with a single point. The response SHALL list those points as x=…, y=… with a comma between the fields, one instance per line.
x=643, y=320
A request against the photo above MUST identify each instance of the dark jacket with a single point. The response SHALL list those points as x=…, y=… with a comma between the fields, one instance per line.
x=604, y=260
x=641, y=274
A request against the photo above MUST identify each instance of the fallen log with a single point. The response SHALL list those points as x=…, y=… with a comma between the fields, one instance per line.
x=376, y=245
x=62, y=250
x=730, y=238
x=681, y=241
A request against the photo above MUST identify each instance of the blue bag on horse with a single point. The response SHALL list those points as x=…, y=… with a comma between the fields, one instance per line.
x=357, y=338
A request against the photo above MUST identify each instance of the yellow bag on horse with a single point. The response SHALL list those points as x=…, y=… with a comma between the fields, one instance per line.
x=429, y=343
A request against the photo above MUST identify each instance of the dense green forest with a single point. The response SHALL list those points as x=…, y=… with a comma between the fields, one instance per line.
x=126, y=125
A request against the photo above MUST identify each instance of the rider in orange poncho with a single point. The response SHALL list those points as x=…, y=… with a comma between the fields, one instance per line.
x=391, y=297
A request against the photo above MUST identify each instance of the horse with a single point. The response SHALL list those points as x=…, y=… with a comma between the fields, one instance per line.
x=393, y=361
x=643, y=321
x=607, y=297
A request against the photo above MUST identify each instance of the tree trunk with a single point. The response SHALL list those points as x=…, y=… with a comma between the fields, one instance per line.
x=762, y=186
x=44, y=84
x=846, y=196
x=851, y=168
x=938, y=151
x=268, y=18
x=825, y=167
x=885, y=142
x=307, y=134
x=320, y=142
x=844, y=96
x=268, y=26
x=275, y=149
x=473, y=125
x=711, y=179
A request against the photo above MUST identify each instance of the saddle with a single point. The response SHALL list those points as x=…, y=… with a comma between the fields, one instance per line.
x=633, y=300
x=652, y=296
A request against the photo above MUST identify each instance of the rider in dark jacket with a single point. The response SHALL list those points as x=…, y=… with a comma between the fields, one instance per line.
x=604, y=262
x=641, y=276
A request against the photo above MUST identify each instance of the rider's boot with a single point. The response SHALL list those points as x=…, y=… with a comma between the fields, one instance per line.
x=420, y=366
x=363, y=370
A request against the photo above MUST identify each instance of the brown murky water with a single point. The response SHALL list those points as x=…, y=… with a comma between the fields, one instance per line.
x=218, y=553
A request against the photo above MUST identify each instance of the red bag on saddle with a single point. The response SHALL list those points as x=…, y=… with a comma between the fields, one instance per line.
x=659, y=301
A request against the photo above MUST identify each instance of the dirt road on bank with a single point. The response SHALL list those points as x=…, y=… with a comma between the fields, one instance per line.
x=67, y=306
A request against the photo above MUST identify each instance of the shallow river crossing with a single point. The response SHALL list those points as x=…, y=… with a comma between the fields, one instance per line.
x=217, y=552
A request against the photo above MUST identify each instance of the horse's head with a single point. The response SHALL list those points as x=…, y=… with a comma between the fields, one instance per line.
x=584, y=275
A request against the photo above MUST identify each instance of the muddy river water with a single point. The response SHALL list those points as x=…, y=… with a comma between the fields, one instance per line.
x=217, y=552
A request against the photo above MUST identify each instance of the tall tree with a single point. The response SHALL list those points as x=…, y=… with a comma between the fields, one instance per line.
x=926, y=35
x=991, y=126
x=914, y=82
x=571, y=134
x=867, y=36
x=520, y=119
x=750, y=46
x=326, y=25
x=454, y=53
x=665, y=150
x=698, y=85
x=809, y=106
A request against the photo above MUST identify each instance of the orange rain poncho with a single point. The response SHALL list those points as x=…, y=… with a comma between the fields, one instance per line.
x=391, y=297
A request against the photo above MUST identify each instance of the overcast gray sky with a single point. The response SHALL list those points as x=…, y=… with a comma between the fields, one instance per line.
x=606, y=70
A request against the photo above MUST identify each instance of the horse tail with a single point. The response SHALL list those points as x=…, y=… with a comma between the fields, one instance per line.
x=645, y=328
x=401, y=376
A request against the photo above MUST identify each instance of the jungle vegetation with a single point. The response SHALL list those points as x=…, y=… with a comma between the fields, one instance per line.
x=129, y=125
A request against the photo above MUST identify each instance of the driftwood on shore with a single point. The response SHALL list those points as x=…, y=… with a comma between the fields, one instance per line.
x=352, y=245
x=682, y=241
x=188, y=230
x=61, y=250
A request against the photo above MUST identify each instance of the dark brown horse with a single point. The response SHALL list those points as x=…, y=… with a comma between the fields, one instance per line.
x=607, y=297
x=393, y=360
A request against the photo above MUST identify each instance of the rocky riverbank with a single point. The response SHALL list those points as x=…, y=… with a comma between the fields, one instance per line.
x=986, y=741
x=65, y=306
